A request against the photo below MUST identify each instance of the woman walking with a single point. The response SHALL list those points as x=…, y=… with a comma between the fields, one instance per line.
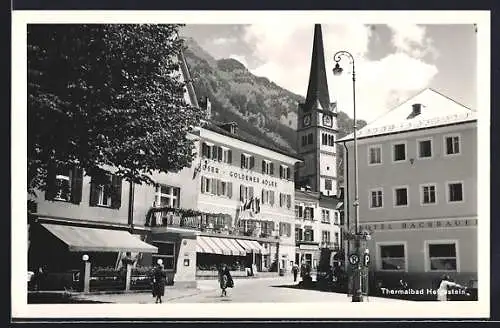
x=225, y=279
x=444, y=285
x=159, y=281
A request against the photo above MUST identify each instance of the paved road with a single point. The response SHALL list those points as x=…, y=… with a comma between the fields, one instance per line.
x=245, y=291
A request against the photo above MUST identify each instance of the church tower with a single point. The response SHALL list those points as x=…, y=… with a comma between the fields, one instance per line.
x=317, y=128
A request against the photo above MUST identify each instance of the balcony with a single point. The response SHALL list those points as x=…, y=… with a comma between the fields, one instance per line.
x=330, y=245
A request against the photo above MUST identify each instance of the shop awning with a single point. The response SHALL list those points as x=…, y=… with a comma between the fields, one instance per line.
x=251, y=246
x=238, y=251
x=203, y=247
x=81, y=239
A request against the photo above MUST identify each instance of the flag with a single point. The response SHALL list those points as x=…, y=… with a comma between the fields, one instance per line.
x=248, y=205
x=257, y=205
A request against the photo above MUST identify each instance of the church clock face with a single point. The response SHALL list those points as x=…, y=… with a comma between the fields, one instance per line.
x=307, y=120
x=327, y=120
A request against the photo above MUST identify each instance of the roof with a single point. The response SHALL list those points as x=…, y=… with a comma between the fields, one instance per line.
x=317, y=90
x=437, y=110
x=324, y=201
x=246, y=137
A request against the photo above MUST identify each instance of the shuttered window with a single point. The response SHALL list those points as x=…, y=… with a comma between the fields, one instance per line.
x=64, y=184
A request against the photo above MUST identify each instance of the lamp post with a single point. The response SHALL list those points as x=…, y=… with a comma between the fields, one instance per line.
x=357, y=295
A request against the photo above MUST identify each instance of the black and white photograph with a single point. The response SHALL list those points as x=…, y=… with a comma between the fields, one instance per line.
x=202, y=165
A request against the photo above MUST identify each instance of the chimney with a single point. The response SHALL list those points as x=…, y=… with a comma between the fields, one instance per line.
x=208, y=108
x=417, y=109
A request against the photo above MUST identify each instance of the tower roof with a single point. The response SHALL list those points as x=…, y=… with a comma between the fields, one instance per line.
x=317, y=90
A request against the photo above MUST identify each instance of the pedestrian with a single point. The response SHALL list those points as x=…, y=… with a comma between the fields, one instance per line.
x=295, y=270
x=159, y=281
x=444, y=286
x=225, y=279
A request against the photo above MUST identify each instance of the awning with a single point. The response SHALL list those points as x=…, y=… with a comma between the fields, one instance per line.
x=251, y=246
x=203, y=247
x=81, y=239
x=241, y=250
x=231, y=246
x=226, y=250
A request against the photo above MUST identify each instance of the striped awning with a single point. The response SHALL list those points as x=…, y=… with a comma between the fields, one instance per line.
x=251, y=246
x=214, y=245
x=83, y=239
x=234, y=246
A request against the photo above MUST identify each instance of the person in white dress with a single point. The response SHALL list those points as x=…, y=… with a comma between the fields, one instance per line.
x=444, y=285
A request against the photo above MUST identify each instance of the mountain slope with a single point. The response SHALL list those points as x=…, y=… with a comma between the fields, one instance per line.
x=259, y=106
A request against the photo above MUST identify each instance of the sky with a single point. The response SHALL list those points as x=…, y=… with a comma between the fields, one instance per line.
x=392, y=62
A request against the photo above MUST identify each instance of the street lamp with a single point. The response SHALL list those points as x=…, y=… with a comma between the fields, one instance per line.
x=357, y=295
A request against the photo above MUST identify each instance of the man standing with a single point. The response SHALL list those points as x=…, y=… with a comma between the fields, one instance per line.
x=295, y=270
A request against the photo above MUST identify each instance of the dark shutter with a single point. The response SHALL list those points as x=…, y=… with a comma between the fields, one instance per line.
x=219, y=153
x=272, y=169
x=203, y=185
x=230, y=190
x=300, y=211
x=116, y=191
x=251, y=192
x=50, y=188
x=263, y=166
x=214, y=152
x=311, y=210
x=204, y=149
x=219, y=187
x=242, y=193
x=252, y=162
x=94, y=197
x=230, y=156
x=288, y=201
x=288, y=173
x=281, y=171
x=242, y=161
x=76, y=185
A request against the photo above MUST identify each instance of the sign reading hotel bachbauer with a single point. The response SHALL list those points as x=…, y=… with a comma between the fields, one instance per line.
x=426, y=224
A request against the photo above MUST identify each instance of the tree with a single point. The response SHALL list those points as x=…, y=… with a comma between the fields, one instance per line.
x=107, y=95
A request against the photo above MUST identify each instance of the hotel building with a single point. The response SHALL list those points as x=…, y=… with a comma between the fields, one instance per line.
x=418, y=190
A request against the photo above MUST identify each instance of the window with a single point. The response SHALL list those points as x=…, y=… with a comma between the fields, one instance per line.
x=247, y=161
x=267, y=167
x=216, y=153
x=324, y=139
x=401, y=196
x=428, y=195
x=304, y=140
x=267, y=197
x=325, y=216
x=284, y=172
x=298, y=234
x=331, y=140
x=452, y=145
x=392, y=257
x=424, y=148
x=399, y=152
x=299, y=213
x=308, y=234
x=216, y=187
x=285, y=229
x=308, y=213
x=376, y=198
x=455, y=192
x=246, y=193
x=166, y=252
x=106, y=190
x=64, y=184
x=285, y=200
x=337, y=218
x=442, y=256
x=328, y=184
x=337, y=237
x=310, y=139
x=374, y=155
x=168, y=195
x=103, y=195
x=325, y=236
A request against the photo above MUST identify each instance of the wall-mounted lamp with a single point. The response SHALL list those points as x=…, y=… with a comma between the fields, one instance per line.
x=85, y=257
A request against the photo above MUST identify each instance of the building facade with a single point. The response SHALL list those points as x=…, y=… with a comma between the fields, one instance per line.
x=418, y=190
x=317, y=227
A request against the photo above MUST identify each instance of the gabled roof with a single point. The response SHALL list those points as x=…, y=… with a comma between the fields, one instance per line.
x=437, y=110
x=246, y=137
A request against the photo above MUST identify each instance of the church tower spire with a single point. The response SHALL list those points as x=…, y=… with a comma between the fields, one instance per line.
x=317, y=128
x=317, y=90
